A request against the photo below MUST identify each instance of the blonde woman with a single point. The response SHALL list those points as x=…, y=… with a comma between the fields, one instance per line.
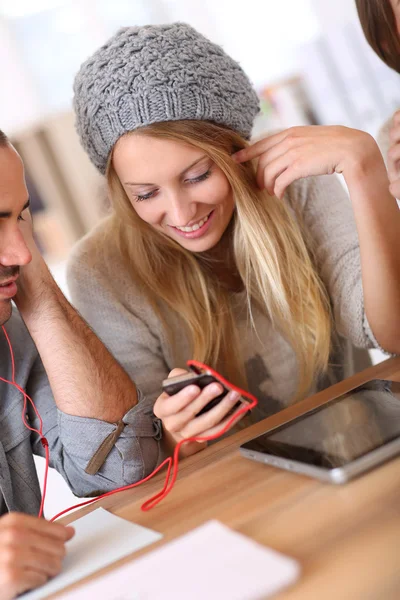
x=248, y=258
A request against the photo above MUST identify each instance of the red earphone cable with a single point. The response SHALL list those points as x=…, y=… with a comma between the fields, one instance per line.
x=38, y=431
x=171, y=461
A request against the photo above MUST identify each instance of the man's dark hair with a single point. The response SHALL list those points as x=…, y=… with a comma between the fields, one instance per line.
x=379, y=25
x=3, y=139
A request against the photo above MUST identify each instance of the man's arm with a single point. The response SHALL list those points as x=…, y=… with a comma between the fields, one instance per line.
x=85, y=379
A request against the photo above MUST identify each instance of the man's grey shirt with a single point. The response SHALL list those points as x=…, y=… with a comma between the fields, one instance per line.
x=73, y=441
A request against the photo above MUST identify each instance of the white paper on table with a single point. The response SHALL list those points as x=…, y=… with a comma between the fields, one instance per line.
x=100, y=539
x=211, y=562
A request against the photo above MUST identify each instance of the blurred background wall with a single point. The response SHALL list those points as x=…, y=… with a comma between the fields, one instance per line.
x=307, y=59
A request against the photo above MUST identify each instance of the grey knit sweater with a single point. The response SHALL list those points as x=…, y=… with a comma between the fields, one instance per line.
x=104, y=293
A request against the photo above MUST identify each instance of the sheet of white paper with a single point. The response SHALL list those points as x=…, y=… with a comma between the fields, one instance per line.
x=211, y=562
x=100, y=539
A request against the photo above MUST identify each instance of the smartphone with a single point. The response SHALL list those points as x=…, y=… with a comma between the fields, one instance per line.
x=173, y=385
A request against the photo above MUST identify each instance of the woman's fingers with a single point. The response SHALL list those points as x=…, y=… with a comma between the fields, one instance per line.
x=286, y=147
x=178, y=421
x=394, y=189
x=273, y=169
x=167, y=406
x=393, y=159
x=177, y=372
x=294, y=136
x=394, y=134
x=257, y=149
x=286, y=177
x=395, y=127
x=196, y=427
x=180, y=412
x=216, y=429
x=300, y=152
x=209, y=393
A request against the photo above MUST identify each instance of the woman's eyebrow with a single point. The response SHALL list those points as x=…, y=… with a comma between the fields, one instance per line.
x=182, y=173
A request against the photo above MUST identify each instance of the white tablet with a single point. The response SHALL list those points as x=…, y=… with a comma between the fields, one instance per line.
x=339, y=440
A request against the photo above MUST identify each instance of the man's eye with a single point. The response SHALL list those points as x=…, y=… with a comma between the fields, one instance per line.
x=202, y=177
x=21, y=218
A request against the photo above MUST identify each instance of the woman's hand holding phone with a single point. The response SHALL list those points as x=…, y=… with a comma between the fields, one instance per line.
x=180, y=416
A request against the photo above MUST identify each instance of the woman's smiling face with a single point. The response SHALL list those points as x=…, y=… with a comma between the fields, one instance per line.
x=176, y=188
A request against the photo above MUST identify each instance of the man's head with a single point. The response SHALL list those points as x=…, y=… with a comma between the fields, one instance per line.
x=14, y=199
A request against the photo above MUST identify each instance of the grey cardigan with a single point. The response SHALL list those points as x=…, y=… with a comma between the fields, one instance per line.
x=73, y=441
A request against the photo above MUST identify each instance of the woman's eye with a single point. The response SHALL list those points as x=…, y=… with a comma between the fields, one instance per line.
x=200, y=177
x=21, y=218
x=139, y=198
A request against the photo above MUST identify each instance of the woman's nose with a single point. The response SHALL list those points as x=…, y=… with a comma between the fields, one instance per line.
x=180, y=210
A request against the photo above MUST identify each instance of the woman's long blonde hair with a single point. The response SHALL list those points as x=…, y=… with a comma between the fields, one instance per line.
x=268, y=248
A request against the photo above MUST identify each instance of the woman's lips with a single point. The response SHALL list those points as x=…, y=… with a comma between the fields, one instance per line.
x=199, y=232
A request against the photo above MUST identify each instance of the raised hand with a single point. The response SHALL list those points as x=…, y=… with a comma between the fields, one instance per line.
x=301, y=152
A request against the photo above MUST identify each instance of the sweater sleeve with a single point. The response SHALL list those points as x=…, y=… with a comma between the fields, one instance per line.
x=328, y=218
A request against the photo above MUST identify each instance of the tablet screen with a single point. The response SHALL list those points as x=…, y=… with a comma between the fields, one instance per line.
x=341, y=430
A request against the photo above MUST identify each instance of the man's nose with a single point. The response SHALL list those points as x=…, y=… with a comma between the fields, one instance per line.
x=14, y=251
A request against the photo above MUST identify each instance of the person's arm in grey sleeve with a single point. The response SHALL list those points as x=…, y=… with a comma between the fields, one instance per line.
x=119, y=314
x=88, y=385
x=328, y=218
x=85, y=379
x=92, y=455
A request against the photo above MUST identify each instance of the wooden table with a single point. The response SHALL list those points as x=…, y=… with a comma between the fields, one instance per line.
x=346, y=538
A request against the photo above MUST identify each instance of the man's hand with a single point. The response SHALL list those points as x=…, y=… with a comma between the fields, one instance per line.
x=393, y=157
x=35, y=276
x=67, y=345
x=31, y=551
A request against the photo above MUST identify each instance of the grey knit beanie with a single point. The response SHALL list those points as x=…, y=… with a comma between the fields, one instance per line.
x=145, y=75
